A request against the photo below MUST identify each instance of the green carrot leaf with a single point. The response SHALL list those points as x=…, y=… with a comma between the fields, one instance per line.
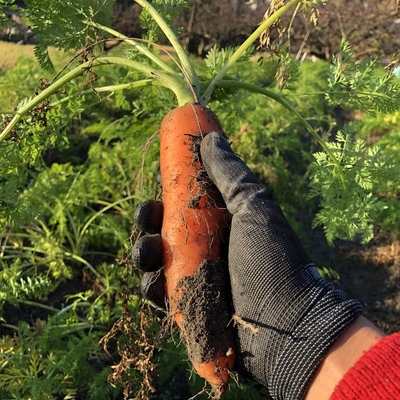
x=169, y=11
x=61, y=23
x=345, y=214
x=359, y=85
x=216, y=58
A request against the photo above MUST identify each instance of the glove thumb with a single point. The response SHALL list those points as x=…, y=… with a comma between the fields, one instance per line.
x=235, y=181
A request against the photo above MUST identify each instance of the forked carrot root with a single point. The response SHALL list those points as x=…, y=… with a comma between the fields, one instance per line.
x=194, y=223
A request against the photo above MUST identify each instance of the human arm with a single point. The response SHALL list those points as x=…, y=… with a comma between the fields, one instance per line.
x=347, y=349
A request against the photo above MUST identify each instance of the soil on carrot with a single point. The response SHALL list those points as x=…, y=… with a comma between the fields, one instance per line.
x=203, y=181
x=205, y=302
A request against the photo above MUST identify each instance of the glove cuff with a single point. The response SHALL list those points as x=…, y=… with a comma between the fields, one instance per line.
x=309, y=343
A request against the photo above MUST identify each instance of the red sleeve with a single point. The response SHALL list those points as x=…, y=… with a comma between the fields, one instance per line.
x=376, y=375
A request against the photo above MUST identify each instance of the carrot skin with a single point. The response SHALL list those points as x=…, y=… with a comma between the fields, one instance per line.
x=194, y=222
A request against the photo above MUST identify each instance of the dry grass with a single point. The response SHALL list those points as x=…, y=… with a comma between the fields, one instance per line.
x=11, y=52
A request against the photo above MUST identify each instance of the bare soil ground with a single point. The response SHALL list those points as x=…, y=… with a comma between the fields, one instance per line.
x=371, y=274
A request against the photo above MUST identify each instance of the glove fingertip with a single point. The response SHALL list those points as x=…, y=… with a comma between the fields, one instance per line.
x=147, y=253
x=148, y=216
x=213, y=140
x=215, y=153
x=152, y=286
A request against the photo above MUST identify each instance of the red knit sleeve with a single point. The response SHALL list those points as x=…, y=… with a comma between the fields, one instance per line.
x=376, y=375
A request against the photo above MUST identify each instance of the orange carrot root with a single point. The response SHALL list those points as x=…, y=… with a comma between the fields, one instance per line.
x=194, y=224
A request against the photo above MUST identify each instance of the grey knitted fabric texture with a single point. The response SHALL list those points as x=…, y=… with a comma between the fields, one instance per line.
x=275, y=286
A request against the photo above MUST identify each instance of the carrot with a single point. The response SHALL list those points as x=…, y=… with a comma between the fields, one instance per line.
x=194, y=222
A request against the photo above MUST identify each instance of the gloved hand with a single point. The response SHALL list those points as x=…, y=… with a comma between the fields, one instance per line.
x=287, y=315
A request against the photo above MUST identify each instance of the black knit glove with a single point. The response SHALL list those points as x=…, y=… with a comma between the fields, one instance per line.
x=287, y=315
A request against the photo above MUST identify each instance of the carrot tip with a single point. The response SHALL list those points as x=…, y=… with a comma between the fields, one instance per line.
x=218, y=390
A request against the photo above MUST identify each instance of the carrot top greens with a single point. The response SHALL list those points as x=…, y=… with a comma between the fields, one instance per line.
x=351, y=83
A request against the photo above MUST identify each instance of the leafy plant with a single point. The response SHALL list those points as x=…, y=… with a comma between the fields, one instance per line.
x=365, y=169
x=66, y=223
x=47, y=362
x=357, y=85
x=67, y=200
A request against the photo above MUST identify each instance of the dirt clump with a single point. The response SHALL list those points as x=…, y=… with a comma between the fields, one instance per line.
x=205, y=304
x=206, y=308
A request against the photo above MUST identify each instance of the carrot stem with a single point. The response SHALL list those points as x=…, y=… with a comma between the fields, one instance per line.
x=138, y=46
x=111, y=88
x=173, y=82
x=281, y=100
x=244, y=47
x=187, y=65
